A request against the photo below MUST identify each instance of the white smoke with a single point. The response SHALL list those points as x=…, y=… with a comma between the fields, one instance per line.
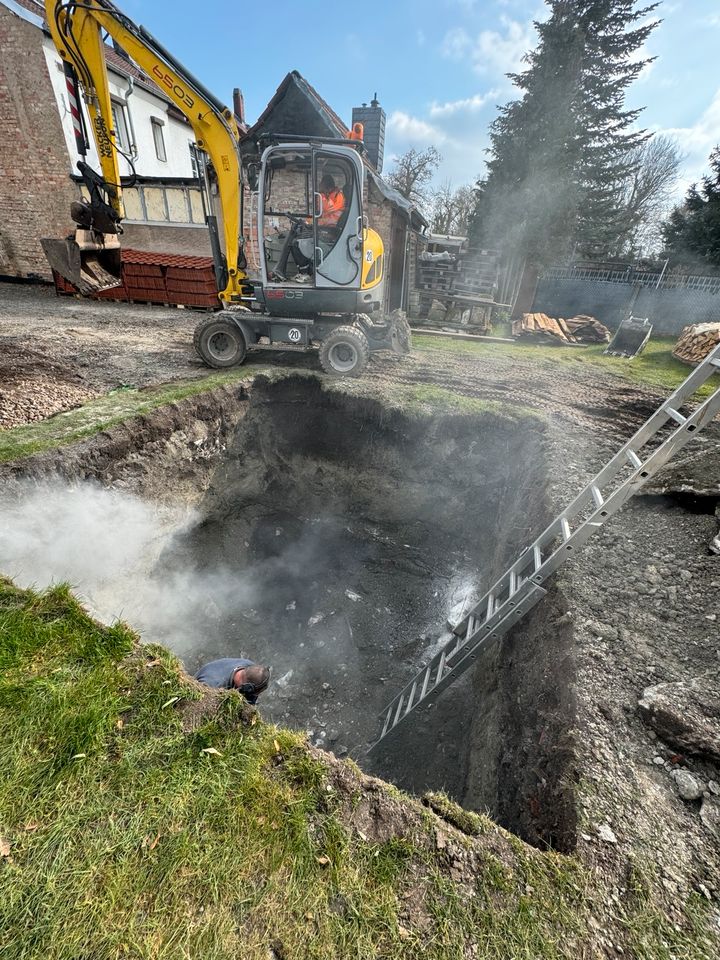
x=108, y=545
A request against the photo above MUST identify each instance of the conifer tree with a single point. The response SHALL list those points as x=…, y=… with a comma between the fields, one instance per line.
x=559, y=155
x=692, y=234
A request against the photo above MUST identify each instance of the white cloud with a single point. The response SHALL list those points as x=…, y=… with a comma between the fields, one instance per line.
x=456, y=43
x=698, y=140
x=408, y=129
x=503, y=52
x=468, y=105
x=492, y=51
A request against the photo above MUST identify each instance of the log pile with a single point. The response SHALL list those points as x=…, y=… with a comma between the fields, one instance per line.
x=696, y=342
x=540, y=328
x=587, y=329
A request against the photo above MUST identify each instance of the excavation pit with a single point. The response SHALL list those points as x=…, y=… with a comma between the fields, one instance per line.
x=332, y=535
x=353, y=530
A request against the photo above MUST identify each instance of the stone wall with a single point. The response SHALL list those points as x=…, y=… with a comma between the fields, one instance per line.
x=669, y=310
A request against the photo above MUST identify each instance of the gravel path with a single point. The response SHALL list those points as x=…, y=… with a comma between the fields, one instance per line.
x=57, y=352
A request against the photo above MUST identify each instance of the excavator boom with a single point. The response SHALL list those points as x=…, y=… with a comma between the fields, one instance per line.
x=90, y=259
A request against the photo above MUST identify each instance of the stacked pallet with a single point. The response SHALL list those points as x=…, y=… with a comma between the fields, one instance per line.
x=159, y=278
x=696, y=342
x=471, y=277
x=587, y=329
x=540, y=328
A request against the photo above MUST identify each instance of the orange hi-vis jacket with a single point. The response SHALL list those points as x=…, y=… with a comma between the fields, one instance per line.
x=333, y=204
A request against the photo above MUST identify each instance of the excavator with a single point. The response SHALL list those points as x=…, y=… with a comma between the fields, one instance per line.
x=320, y=282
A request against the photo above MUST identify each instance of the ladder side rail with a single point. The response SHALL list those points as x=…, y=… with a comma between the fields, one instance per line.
x=586, y=497
x=527, y=591
x=702, y=415
x=467, y=661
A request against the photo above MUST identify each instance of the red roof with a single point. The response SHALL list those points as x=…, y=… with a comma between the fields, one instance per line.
x=165, y=259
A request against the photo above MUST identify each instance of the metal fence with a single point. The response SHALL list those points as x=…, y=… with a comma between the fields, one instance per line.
x=643, y=278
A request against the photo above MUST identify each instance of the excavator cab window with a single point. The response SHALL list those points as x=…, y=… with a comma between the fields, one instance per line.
x=337, y=212
x=287, y=228
x=312, y=216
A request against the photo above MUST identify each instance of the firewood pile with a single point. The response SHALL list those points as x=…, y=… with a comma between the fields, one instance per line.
x=587, y=329
x=540, y=328
x=696, y=342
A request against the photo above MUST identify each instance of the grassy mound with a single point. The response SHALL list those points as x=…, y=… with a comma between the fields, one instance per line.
x=143, y=816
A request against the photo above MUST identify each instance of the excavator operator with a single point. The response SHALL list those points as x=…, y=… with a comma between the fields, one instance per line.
x=333, y=202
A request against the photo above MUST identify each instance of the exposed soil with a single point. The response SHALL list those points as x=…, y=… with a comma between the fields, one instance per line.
x=637, y=607
x=104, y=345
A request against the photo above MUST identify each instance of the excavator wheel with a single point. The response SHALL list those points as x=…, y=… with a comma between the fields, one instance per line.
x=344, y=352
x=219, y=343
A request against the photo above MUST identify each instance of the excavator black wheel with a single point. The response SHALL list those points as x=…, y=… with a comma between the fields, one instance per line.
x=220, y=343
x=344, y=352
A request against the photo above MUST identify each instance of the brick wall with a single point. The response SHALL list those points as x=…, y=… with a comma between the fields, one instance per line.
x=35, y=190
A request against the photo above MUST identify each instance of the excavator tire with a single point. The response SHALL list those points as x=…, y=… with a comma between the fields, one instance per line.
x=219, y=343
x=344, y=352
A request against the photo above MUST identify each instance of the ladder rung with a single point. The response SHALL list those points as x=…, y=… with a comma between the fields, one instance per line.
x=597, y=496
x=513, y=583
x=388, y=718
x=715, y=363
x=565, y=526
x=399, y=709
x=677, y=417
x=490, y=607
x=470, y=627
x=634, y=459
x=426, y=680
x=537, y=557
x=410, y=704
x=441, y=667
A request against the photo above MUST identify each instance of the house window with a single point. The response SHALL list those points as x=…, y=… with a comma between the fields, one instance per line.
x=120, y=125
x=158, y=138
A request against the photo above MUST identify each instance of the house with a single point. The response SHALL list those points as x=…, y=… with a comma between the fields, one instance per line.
x=163, y=199
x=38, y=151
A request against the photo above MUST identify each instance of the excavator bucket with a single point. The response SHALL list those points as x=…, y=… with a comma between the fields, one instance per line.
x=630, y=338
x=86, y=264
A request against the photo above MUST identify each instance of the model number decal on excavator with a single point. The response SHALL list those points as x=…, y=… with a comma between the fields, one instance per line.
x=104, y=143
x=284, y=294
x=167, y=80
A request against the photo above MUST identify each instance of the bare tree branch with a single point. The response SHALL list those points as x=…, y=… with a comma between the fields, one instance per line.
x=412, y=173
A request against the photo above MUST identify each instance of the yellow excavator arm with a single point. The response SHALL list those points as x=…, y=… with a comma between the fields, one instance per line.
x=77, y=30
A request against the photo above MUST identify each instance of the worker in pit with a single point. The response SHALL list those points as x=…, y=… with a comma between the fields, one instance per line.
x=234, y=673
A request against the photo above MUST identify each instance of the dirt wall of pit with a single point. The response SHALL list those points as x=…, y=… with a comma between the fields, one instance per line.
x=424, y=496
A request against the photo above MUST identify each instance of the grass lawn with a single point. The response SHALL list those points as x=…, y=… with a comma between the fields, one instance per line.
x=655, y=367
x=128, y=831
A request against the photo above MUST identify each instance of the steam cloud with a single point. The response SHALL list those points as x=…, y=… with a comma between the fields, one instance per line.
x=108, y=545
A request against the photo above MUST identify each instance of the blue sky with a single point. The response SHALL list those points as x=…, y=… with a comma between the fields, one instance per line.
x=438, y=65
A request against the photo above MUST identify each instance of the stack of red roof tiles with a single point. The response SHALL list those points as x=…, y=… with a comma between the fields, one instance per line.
x=159, y=278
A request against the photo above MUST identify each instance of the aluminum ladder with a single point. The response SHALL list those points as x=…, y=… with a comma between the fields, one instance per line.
x=520, y=587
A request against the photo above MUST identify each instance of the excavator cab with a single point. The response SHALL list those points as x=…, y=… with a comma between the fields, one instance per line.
x=317, y=253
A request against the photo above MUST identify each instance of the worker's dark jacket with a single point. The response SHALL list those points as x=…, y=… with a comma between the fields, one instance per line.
x=220, y=673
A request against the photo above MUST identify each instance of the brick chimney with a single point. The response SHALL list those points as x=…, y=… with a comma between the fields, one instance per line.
x=373, y=120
